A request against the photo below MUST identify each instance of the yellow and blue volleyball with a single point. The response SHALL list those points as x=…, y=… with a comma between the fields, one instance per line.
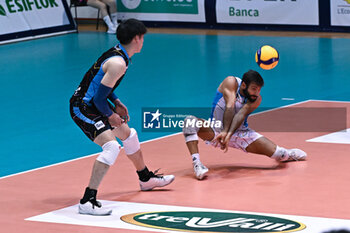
x=267, y=57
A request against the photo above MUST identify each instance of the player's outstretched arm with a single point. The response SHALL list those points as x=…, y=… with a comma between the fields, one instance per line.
x=239, y=118
x=228, y=89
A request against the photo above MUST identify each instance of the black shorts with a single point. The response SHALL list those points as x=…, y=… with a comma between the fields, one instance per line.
x=89, y=119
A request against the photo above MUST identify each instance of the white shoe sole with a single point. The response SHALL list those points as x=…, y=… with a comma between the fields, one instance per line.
x=202, y=176
x=204, y=170
x=156, y=185
x=96, y=212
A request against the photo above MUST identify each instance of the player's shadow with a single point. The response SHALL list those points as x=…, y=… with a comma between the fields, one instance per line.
x=241, y=170
x=112, y=196
x=68, y=200
x=233, y=171
x=130, y=195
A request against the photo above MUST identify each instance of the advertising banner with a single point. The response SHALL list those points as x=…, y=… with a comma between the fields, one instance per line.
x=290, y=12
x=340, y=12
x=162, y=10
x=21, y=18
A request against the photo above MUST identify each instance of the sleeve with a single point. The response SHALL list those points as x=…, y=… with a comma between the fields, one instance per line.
x=112, y=97
x=100, y=100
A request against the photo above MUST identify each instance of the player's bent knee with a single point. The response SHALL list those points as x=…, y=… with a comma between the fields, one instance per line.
x=131, y=144
x=190, y=129
x=191, y=137
x=122, y=132
x=190, y=125
x=110, y=152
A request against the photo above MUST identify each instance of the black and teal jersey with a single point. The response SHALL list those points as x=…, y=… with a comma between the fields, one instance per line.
x=92, y=79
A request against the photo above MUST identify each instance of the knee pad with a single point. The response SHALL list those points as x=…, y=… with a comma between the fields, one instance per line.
x=110, y=152
x=131, y=144
x=190, y=125
x=190, y=129
x=191, y=137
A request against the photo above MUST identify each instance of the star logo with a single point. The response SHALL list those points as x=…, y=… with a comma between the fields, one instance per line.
x=151, y=119
x=156, y=115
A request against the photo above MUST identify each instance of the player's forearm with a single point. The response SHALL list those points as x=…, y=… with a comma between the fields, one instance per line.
x=236, y=122
x=228, y=116
x=113, y=97
x=100, y=100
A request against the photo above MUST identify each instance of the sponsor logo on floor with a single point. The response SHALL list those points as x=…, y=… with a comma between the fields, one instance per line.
x=200, y=221
x=168, y=218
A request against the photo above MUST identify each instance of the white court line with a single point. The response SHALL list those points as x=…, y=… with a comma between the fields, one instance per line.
x=340, y=137
x=37, y=37
x=155, y=139
x=285, y=106
x=335, y=101
x=151, y=140
x=86, y=156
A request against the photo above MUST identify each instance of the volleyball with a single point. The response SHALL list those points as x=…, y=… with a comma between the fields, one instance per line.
x=267, y=57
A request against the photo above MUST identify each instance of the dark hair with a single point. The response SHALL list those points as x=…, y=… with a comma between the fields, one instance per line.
x=252, y=76
x=128, y=29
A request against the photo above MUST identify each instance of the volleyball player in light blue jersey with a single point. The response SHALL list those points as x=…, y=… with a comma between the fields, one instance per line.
x=234, y=101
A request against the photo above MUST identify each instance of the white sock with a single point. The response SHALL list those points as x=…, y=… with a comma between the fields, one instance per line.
x=114, y=18
x=195, y=158
x=281, y=154
x=108, y=21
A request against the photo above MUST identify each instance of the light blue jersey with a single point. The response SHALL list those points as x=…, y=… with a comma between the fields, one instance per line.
x=219, y=105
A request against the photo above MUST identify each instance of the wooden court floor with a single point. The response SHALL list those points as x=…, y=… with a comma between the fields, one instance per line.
x=318, y=187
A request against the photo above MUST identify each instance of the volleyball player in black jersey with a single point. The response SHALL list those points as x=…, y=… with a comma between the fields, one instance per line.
x=102, y=122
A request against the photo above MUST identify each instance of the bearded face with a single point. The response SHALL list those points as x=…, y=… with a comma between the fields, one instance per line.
x=251, y=92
